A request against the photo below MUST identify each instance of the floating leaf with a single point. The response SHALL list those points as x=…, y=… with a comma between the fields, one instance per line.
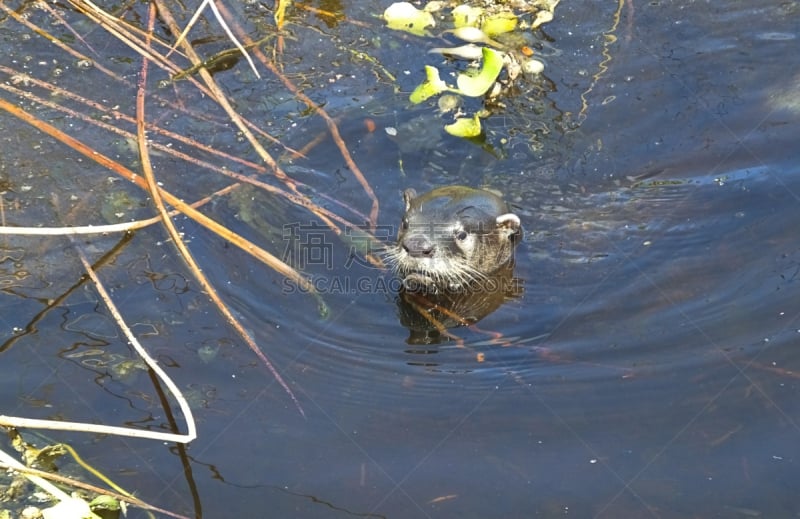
x=430, y=87
x=466, y=16
x=470, y=34
x=105, y=503
x=499, y=23
x=477, y=85
x=402, y=16
x=465, y=127
x=469, y=51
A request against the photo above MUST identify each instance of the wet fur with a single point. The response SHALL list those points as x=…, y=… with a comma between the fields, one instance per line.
x=471, y=233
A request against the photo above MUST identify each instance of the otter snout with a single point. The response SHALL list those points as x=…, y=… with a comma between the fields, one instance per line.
x=418, y=246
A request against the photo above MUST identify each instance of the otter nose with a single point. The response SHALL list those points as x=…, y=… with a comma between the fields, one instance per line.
x=418, y=246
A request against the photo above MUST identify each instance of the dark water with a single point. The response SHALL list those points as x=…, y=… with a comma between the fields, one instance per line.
x=647, y=370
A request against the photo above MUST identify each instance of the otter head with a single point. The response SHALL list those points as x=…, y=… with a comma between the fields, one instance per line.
x=452, y=236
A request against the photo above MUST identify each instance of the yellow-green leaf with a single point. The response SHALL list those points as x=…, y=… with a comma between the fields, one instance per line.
x=104, y=502
x=477, y=84
x=430, y=87
x=499, y=23
x=466, y=16
x=465, y=127
x=402, y=16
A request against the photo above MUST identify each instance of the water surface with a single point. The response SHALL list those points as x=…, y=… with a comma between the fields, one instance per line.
x=646, y=371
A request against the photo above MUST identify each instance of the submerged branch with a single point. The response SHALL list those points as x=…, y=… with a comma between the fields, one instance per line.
x=332, y=126
x=171, y=199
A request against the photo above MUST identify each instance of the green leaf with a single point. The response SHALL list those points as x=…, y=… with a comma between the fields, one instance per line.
x=432, y=86
x=466, y=16
x=465, y=127
x=402, y=16
x=499, y=23
x=477, y=85
x=104, y=502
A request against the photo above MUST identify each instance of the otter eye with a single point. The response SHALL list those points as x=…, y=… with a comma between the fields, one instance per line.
x=461, y=235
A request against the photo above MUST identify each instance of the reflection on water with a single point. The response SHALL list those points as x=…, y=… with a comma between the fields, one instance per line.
x=428, y=315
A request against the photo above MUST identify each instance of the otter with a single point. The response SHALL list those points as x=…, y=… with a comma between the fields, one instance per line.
x=453, y=236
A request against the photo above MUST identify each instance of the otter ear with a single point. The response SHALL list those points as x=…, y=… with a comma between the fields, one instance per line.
x=509, y=223
x=408, y=196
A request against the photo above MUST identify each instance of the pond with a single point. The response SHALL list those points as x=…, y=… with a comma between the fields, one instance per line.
x=643, y=369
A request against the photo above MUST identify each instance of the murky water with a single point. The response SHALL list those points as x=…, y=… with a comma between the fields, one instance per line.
x=646, y=371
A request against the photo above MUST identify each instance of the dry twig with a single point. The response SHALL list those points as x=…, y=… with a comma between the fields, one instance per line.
x=155, y=194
